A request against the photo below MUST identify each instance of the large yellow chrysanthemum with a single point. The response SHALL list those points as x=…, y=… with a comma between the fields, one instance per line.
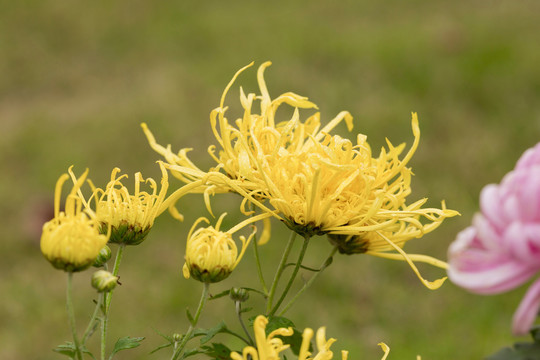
x=315, y=182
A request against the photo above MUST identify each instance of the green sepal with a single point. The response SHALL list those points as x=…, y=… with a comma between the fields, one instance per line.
x=521, y=350
x=125, y=343
x=68, y=349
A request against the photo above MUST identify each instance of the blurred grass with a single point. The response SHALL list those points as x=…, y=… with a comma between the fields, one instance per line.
x=76, y=81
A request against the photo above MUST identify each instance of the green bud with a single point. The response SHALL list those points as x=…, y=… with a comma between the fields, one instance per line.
x=103, y=256
x=104, y=281
x=177, y=337
x=239, y=294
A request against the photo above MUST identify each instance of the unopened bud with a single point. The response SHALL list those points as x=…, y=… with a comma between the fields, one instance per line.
x=104, y=281
x=103, y=256
x=239, y=294
x=177, y=337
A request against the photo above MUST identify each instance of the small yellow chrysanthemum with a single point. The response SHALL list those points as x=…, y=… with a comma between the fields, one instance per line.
x=72, y=240
x=269, y=347
x=130, y=216
x=212, y=254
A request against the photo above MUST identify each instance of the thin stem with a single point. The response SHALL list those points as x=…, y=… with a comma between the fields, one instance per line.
x=238, y=306
x=279, y=271
x=293, y=275
x=185, y=339
x=107, y=302
x=71, y=315
x=259, y=268
x=92, y=324
x=326, y=263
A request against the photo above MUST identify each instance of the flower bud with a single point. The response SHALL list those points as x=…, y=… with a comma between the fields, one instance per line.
x=104, y=281
x=211, y=254
x=103, y=256
x=239, y=294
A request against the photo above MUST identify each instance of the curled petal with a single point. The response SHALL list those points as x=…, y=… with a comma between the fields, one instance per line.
x=527, y=311
x=480, y=270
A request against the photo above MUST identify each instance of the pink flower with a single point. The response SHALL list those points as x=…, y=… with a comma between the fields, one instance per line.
x=501, y=250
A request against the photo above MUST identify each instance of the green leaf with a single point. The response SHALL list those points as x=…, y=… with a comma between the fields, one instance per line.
x=276, y=322
x=221, y=294
x=163, y=346
x=126, y=343
x=190, y=317
x=189, y=353
x=68, y=349
x=244, y=310
x=217, y=351
x=210, y=333
x=295, y=340
x=522, y=350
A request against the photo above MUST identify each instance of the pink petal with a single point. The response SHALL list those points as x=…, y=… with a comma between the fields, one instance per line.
x=484, y=269
x=527, y=310
x=530, y=158
x=523, y=242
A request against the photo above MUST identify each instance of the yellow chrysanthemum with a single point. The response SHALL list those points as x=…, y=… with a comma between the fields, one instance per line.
x=212, y=254
x=130, y=216
x=315, y=182
x=72, y=240
x=270, y=347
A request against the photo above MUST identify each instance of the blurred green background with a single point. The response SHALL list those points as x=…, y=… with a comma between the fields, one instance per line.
x=77, y=79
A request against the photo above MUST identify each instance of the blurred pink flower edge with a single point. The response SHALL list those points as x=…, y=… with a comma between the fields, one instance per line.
x=501, y=249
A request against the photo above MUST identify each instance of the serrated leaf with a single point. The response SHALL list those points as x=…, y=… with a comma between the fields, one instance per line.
x=217, y=351
x=276, y=322
x=189, y=352
x=126, y=343
x=68, y=349
x=210, y=333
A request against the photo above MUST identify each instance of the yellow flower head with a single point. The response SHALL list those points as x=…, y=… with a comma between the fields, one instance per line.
x=212, y=254
x=269, y=347
x=71, y=241
x=130, y=216
x=315, y=182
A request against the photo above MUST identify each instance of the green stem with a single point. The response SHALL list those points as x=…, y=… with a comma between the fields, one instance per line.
x=92, y=324
x=185, y=339
x=279, y=271
x=107, y=302
x=326, y=263
x=293, y=275
x=259, y=268
x=238, y=306
x=71, y=316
